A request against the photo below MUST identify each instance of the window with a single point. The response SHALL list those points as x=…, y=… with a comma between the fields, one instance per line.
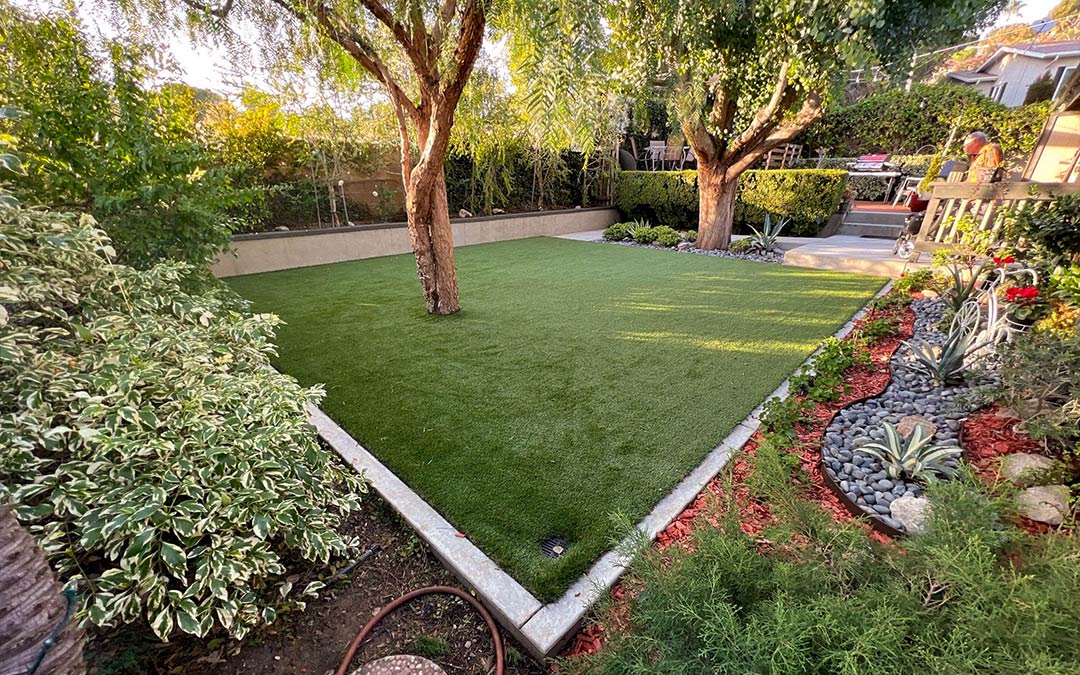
x=997, y=92
x=1063, y=75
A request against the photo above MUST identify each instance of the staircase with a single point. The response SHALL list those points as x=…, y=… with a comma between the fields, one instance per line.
x=884, y=224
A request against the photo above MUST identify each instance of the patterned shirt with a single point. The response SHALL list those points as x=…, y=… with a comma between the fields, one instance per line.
x=989, y=160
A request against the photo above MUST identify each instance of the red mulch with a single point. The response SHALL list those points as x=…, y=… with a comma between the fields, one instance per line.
x=754, y=513
x=990, y=435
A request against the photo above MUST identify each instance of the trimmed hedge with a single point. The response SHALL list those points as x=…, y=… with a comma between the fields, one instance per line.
x=808, y=197
x=870, y=187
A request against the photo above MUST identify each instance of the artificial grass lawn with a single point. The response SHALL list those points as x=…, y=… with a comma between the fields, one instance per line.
x=579, y=380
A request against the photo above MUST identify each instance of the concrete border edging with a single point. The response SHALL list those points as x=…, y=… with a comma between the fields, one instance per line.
x=543, y=629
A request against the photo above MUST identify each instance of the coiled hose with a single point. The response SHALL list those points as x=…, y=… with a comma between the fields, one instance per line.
x=408, y=597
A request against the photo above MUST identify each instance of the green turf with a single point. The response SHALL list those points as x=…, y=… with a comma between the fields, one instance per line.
x=579, y=380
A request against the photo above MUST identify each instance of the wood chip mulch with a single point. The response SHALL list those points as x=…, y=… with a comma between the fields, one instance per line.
x=754, y=514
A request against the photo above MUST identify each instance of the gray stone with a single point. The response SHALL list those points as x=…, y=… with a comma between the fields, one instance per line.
x=911, y=512
x=1044, y=503
x=393, y=665
x=892, y=522
x=684, y=246
x=883, y=509
x=885, y=484
x=1015, y=466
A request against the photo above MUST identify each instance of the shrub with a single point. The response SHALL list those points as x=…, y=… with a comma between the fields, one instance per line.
x=807, y=197
x=810, y=595
x=666, y=236
x=912, y=282
x=892, y=120
x=1054, y=229
x=690, y=235
x=643, y=234
x=93, y=136
x=879, y=328
x=1040, y=374
x=744, y=245
x=147, y=439
x=617, y=232
x=824, y=379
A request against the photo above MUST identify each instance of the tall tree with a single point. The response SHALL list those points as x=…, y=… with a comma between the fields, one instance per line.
x=421, y=53
x=746, y=76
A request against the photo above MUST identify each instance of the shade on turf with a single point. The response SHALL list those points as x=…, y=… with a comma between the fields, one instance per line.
x=578, y=381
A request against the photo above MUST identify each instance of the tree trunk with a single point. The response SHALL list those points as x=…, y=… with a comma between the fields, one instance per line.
x=716, y=203
x=32, y=606
x=432, y=237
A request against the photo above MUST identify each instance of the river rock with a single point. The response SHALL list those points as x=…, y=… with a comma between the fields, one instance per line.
x=1045, y=503
x=911, y=512
x=1015, y=466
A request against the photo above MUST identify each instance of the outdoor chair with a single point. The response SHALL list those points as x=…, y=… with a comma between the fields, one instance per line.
x=654, y=154
x=673, y=155
x=911, y=183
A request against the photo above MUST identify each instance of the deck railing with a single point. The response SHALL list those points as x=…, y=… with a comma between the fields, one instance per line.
x=985, y=203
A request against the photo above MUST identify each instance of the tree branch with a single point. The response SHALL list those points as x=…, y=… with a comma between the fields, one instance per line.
x=220, y=12
x=355, y=44
x=417, y=55
x=447, y=10
x=809, y=113
x=767, y=118
x=470, y=37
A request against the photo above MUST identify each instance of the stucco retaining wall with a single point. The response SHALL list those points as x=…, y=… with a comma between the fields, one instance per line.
x=268, y=251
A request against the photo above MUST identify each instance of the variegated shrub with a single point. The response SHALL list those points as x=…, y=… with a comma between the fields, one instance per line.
x=157, y=456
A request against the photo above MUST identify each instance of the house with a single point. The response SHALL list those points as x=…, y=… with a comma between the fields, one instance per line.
x=1056, y=158
x=1007, y=74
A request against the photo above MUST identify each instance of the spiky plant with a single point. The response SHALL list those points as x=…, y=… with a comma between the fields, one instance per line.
x=764, y=240
x=912, y=457
x=948, y=363
x=963, y=283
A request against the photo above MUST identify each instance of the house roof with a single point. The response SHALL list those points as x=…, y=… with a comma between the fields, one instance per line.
x=1039, y=50
x=971, y=76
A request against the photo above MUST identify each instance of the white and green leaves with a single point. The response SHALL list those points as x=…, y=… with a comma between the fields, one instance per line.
x=912, y=457
x=148, y=441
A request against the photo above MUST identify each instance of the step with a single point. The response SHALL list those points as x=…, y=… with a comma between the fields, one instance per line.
x=875, y=217
x=851, y=254
x=874, y=231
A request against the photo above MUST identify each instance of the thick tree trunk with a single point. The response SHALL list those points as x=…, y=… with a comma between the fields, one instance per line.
x=716, y=203
x=432, y=236
x=32, y=607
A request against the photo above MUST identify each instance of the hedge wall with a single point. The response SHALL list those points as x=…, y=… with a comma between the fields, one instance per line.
x=807, y=196
x=892, y=120
x=869, y=187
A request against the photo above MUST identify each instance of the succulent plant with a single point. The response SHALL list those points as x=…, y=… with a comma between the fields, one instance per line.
x=764, y=240
x=913, y=456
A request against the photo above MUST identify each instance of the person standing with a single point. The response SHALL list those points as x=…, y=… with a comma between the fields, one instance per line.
x=987, y=160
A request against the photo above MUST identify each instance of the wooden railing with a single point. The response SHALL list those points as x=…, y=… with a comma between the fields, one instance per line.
x=985, y=203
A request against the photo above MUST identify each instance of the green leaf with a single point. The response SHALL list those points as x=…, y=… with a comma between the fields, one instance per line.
x=173, y=556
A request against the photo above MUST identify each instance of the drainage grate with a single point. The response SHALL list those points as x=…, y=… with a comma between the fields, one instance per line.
x=554, y=547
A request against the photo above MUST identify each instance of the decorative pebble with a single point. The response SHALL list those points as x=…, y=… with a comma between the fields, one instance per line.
x=909, y=393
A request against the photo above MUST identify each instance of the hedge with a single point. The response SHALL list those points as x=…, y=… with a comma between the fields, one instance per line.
x=870, y=187
x=895, y=121
x=806, y=196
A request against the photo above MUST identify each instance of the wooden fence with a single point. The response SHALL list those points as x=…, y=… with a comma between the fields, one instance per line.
x=985, y=203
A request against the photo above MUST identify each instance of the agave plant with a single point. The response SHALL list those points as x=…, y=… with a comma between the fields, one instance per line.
x=764, y=240
x=912, y=457
x=965, y=282
x=948, y=363
x=638, y=224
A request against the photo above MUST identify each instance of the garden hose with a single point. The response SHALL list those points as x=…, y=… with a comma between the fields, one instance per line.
x=370, y=625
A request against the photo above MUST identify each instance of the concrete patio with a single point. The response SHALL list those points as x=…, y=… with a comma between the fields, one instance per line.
x=845, y=253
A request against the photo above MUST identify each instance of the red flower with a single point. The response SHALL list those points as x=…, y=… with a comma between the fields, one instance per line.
x=1001, y=262
x=1022, y=295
